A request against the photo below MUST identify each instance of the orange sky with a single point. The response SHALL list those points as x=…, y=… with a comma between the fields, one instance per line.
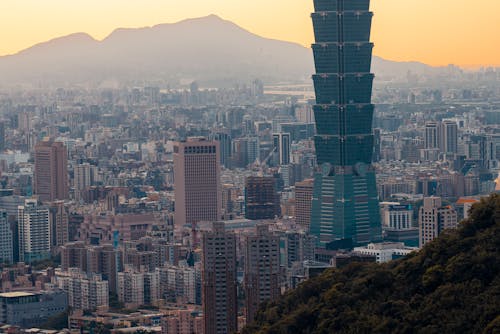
x=437, y=32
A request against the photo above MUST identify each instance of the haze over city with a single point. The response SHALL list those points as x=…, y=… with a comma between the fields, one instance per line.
x=249, y=167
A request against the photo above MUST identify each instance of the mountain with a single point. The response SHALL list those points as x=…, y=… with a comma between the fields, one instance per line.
x=207, y=49
x=451, y=286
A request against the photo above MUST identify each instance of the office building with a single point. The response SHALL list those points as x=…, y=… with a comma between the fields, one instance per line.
x=385, y=251
x=282, y=148
x=397, y=221
x=434, y=218
x=262, y=269
x=431, y=136
x=59, y=220
x=51, y=171
x=6, y=250
x=303, y=202
x=2, y=136
x=449, y=137
x=28, y=310
x=225, y=144
x=34, y=231
x=261, y=199
x=198, y=194
x=345, y=203
x=220, y=306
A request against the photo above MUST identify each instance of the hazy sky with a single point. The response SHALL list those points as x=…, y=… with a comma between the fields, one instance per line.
x=437, y=32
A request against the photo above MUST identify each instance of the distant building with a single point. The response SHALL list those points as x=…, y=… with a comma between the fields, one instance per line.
x=51, y=171
x=449, y=137
x=59, y=221
x=182, y=322
x=198, y=195
x=282, y=148
x=303, y=202
x=262, y=269
x=34, y=232
x=261, y=198
x=29, y=310
x=220, y=305
x=82, y=179
x=6, y=246
x=432, y=138
x=434, y=218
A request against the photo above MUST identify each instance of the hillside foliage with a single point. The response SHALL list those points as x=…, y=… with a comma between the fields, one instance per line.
x=451, y=286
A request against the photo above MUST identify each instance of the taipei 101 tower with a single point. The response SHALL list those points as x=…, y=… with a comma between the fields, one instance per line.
x=345, y=208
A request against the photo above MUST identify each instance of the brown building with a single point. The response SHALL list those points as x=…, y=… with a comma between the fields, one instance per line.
x=220, y=307
x=261, y=199
x=303, y=201
x=262, y=269
x=51, y=171
x=198, y=194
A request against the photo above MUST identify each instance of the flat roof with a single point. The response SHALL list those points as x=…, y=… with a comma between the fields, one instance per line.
x=16, y=294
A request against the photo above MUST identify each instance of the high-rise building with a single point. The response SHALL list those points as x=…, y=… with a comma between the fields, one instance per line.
x=82, y=179
x=6, y=251
x=198, y=195
x=449, y=137
x=261, y=199
x=51, y=171
x=2, y=136
x=85, y=291
x=59, y=221
x=431, y=138
x=34, y=231
x=225, y=144
x=434, y=218
x=303, y=202
x=262, y=269
x=282, y=148
x=345, y=203
x=220, y=305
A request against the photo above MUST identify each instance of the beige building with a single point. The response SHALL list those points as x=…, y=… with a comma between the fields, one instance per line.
x=434, y=218
x=198, y=195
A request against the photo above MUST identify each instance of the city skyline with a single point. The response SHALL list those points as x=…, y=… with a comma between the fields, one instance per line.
x=438, y=42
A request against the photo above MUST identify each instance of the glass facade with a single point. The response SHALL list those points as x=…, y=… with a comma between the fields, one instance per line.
x=345, y=204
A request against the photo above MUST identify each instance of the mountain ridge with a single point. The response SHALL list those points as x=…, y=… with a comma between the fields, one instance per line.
x=208, y=49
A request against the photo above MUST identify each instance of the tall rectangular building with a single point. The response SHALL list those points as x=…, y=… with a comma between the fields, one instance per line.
x=198, y=195
x=6, y=251
x=449, y=137
x=345, y=202
x=59, y=224
x=51, y=171
x=282, y=148
x=219, y=299
x=303, y=202
x=34, y=232
x=262, y=269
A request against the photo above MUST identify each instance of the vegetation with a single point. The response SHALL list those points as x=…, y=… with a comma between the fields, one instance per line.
x=451, y=286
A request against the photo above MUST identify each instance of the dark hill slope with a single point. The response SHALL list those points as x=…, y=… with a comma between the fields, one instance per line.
x=450, y=286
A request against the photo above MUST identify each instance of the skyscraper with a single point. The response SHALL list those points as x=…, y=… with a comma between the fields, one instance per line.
x=261, y=199
x=262, y=269
x=59, y=221
x=449, y=137
x=303, y=201
x=431, y=138
x=34, y=231
x=51, y=171
x=198, y=195
x=220, y=305
x=82, y=179
x=345, y=203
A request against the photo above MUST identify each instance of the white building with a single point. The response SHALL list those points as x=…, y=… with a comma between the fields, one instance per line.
x=34, y=231
x=85, y=292
x=386, y=251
